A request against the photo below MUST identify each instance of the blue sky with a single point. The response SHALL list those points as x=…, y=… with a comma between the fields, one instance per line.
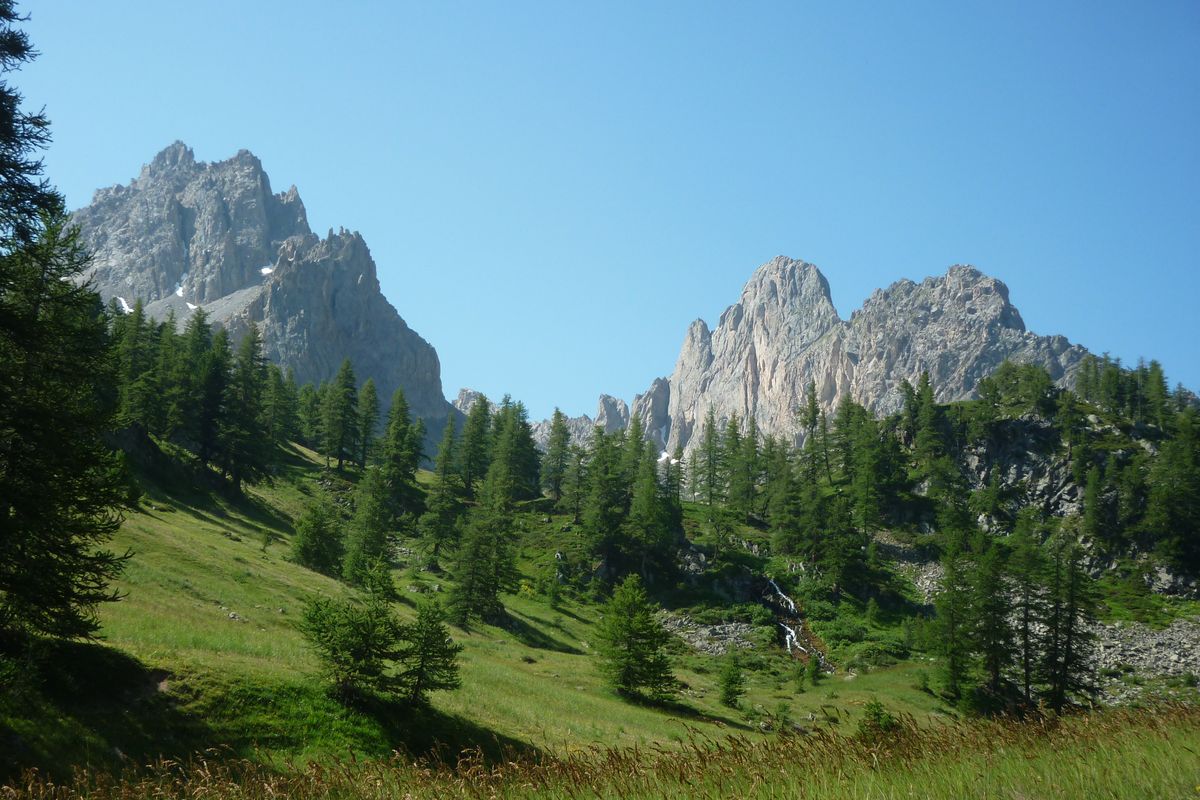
x=552, y=192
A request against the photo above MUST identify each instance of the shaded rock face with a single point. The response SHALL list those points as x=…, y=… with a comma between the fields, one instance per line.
x=784, y=332
x=186, y=235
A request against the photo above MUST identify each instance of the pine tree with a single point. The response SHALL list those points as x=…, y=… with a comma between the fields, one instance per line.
x=1026, y=571
x=1070, y=611
x=954, y=613
x=212, y=385
x=60, y=485
x=183, y=409
x=247, y=454
x=357, y=644
x=309, y=413
x=484, y=567
x=731, y=680
x=281, y=406
x=134, y=337
x=318, y=540
x=475, y=444
x=368, y=418
x=1173, y=509
x=400, y=456
x=428, y=658
x=928, y=442
x=339, y=416
x=367, y=544
x=554, y=465
x=575, y=483
x=631, y=643
x=604, y=508
x=649, y=539
x=439, y=524
x=709, y=468
x=992, y=635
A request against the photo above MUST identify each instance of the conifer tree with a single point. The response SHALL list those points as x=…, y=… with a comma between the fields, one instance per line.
x=604, y=507
x=992, y=634
x=953, y=621
x=1173, y=508
x=60, y=485
x=1070, y=610
x=731, y=680
x=247, y=454
x=368, y=418
x=575, y=483
x=476, y=437
x=213, y=387
x=554, y=465
x=367, y=543
x=648, y=526
x=428, y=658
x=339, y=416
x=631, y=643
x=1026, y=572
x=281, y=406
x=318, y=540
x=400, y=456
x=439, y=524
x=308, y=410
x=708, y=472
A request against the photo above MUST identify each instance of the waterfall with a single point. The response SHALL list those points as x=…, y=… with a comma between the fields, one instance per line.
x=787, y=601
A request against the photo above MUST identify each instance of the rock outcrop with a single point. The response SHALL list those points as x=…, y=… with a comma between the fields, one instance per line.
x=612, y=414
x=784, y=332
x=186, y=235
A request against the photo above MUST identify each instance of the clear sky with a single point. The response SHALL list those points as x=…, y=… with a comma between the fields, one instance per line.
x=552, y=192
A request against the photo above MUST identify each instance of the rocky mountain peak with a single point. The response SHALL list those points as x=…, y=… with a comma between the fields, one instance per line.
x=186, y=235
x=174, y=156
x=785, y=332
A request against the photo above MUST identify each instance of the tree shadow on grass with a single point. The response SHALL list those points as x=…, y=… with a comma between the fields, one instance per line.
x=532, y=636
x=85, y=704
x=678, y=708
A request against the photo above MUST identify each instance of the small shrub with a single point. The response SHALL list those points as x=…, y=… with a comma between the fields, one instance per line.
x=876, y=722
x=732, y=681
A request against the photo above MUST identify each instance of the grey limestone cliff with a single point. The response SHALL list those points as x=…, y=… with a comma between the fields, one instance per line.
x=186, y=234
x=784, y=331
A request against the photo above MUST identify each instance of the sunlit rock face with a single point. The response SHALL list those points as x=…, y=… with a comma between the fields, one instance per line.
x=784, y=332
x=186, y=234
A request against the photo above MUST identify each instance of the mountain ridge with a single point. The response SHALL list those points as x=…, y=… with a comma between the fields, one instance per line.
x=187, y=234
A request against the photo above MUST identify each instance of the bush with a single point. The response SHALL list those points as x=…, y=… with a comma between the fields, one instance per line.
x=876, y=722
x=356, y=643
x=359, y=645
x=732, y=681
x=842, y=630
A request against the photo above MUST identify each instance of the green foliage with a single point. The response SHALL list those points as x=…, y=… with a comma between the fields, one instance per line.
x=60, y=485
x=318, y=540
x=557, y=460
x=876, y=722
x=400, y=457
x=368, y=418
x=631, y=644
x=339, y=416
x=357, y=643
x=731, y=680
x=428, y=658
x=367, y=543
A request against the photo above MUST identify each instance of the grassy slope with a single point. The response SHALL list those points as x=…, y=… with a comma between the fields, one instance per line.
x=203, y=652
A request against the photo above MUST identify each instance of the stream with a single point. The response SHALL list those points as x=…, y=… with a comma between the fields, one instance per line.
x=794, y=624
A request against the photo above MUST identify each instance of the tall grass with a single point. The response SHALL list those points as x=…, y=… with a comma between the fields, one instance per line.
x=1151, y=753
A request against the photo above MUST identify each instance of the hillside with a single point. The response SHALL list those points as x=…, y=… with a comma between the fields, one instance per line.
x=203, y=652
